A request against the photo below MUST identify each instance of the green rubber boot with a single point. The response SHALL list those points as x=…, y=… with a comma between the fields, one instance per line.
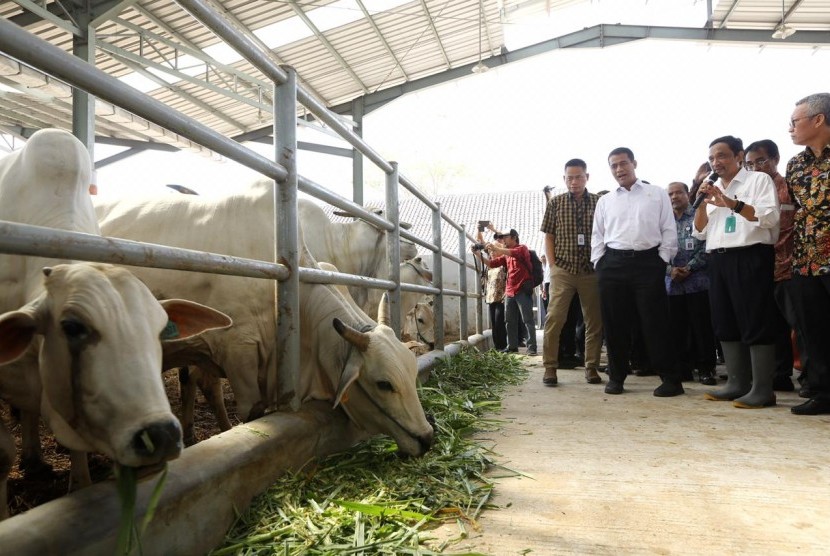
x=763, y=374
x=738, y=372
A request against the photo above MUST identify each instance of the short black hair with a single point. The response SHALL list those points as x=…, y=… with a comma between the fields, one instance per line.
x=768, y=145
x=622, y=150
x=576, y=163
x=734, y=144
x=686, y=187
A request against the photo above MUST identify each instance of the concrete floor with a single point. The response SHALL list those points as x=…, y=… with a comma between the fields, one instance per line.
x=635, y=474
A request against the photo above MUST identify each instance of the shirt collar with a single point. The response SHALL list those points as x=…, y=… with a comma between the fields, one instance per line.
x=809, y=154
x=637, y=185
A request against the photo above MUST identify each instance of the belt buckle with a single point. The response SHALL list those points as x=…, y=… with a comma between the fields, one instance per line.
x=721, y=250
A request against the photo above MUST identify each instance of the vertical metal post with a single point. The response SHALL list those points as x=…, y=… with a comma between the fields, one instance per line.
x=462, y=284
x=438, y=279
x=393, y=247
x=357, y=157
x=286, y=227
x=83, y=104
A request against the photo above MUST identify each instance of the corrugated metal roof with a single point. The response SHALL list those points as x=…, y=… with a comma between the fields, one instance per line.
x=373, y=52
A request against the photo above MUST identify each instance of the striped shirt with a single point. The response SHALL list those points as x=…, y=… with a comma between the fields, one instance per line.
x=565, y=220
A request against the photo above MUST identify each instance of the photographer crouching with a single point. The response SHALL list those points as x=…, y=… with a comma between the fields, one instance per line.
x=515, y=258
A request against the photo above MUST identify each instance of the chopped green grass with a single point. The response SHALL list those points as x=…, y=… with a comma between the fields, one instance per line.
x=368, y=500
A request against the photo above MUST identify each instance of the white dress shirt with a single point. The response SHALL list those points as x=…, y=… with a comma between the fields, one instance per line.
x=638, y=219
x=753, y=188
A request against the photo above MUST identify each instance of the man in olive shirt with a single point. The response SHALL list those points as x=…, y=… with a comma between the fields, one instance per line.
x=567, y=227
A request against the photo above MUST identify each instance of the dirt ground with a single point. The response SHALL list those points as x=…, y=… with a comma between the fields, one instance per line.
x=635, y=474
x=29, y=490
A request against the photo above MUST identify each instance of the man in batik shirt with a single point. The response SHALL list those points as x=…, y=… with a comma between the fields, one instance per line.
x=808, y=176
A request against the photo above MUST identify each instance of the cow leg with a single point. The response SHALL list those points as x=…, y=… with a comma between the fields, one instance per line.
x=211, y=387
x=31, y=457
x=187, y=396
x=79, y=475
x=6, y=461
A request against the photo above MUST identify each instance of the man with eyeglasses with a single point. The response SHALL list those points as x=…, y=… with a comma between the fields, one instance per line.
x=633, y=239
x=808, y=176
x=763, y=156
x=739, y=221
x=567, y=228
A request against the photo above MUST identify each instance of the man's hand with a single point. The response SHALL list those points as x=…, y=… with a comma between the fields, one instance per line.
x=680, y=273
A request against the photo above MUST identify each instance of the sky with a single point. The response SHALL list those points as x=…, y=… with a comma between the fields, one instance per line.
x=514, y=127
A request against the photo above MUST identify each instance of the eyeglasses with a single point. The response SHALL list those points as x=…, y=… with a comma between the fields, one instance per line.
x=794, y=121
x=756, y=162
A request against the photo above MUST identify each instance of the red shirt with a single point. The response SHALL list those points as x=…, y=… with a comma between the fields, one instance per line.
x=518, y=269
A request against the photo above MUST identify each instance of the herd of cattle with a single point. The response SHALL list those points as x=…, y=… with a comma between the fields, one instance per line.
x=82, y=345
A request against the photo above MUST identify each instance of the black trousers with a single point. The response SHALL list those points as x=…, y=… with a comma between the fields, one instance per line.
x=691, y=330
x=632, y=286
x=498, y=325
x=810, y=297
x=741, y=295
x=784, y=301
x=569, y=340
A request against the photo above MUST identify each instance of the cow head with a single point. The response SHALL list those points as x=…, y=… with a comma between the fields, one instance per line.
x=420, y=324
x=377, y=387
x=100, y=359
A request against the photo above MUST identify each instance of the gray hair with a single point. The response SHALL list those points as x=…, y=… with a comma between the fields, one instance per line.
x=818, y=103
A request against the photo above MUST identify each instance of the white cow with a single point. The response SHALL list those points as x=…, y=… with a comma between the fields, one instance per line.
x=100, y=363
x=88, y=333
x=380, y=374
x=356, y=247
x=419, y=324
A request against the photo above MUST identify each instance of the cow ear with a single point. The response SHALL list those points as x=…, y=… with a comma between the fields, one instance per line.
x=188, y=319
x=350, y=374
x=384, y=313
x=17, y=330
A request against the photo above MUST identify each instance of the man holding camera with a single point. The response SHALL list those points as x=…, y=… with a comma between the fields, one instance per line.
x=567, y=227
x=519, y=289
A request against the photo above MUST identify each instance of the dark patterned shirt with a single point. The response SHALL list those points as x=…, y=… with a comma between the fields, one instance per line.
x=691, y=252
x=808, y=177
x=784, y=245
x=565, y=220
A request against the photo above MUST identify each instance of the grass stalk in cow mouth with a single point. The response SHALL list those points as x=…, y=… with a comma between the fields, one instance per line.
x=369, y=500
x=126, y=480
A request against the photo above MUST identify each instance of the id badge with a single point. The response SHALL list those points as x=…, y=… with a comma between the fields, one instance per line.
x=690, y=245
x=580, y=239
x=730, y=224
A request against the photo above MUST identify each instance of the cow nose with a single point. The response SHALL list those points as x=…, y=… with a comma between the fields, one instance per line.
x=159, y=441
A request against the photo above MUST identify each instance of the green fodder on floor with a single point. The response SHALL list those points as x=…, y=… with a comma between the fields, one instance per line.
x=369, y=500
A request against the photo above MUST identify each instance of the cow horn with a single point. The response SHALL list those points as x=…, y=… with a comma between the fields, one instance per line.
x=358, y=339
x=384, y=313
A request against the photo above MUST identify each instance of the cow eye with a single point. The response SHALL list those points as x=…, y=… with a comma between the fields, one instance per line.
x=420, y=320
x=385, y=385
x=74, y=330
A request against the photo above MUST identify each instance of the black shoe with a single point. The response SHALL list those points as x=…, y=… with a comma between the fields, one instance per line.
x=782, y=383
x=532, y=351
x=508, y=350
x=669, y=389
x=812, y=406
x=613, y=387
x=708, y=378
x=805, y=391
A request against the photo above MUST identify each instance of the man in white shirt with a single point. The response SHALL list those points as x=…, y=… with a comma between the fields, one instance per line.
x=634, y=237
x=739, y=221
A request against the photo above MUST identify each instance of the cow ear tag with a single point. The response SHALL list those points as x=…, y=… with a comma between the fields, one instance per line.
x=170, y=332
